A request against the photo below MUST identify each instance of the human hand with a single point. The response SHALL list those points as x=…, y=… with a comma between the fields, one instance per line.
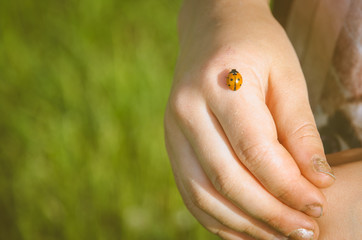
x=243, y=161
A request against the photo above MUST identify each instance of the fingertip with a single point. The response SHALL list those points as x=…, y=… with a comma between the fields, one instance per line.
x=324, y=179
x=314, y=210
x=317, y=171
x=307, y=232
x=314, y=167
x=311, y=233
x=310, y=199
x=321, y=167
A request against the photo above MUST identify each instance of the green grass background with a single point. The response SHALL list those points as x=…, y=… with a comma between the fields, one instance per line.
x=83, y=87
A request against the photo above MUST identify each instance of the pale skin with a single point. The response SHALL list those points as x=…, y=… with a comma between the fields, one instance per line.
x=243, y=161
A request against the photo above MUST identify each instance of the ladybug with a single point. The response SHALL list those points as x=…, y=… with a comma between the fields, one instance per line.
x=234, y=80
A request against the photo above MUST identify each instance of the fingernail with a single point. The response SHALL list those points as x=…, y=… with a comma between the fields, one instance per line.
x=314, y=210
x=321, y=165
x=302, y=234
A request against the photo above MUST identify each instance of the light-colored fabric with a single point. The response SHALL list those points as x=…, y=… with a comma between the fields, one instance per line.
x=327, y=36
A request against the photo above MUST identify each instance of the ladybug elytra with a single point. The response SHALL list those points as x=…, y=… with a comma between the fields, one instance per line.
x=234, y=80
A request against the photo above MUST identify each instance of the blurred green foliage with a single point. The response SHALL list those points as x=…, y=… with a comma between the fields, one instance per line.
x=83, y=87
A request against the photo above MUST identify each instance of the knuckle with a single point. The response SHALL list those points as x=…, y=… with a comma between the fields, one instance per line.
x=224, y=184
x=273, y=220
x=221, y=233
x=198, y=199
x=212, y=228
x=179, y=104
x=305, y=131
x=189, y=203
x=248, y=229
x=215, y=231
x=285, y=189
x=184, y=106
x=282, y=193
x=254, y=156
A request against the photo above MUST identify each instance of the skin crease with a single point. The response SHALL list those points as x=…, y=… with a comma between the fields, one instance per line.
x=242, y=160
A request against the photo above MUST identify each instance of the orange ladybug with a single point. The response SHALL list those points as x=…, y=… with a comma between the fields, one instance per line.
x=234, y=80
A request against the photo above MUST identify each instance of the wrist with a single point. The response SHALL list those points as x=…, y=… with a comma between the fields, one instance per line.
x=207, y=17
x=206, y=8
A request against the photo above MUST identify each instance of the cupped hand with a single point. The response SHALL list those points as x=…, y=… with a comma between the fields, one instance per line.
x=248, y=163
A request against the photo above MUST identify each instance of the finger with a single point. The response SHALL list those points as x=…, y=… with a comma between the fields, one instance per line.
x=215, y=227
x=209, y=222
x=235, y=182
x=250, y=128
x=295, y=123
x=197, y=191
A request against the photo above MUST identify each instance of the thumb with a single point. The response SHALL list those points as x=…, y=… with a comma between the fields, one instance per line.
x=297, y=132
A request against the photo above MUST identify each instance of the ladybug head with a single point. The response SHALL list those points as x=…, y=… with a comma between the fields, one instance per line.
x=234, y=72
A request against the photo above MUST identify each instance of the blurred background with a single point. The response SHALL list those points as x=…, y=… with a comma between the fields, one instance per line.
x=83, y=87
